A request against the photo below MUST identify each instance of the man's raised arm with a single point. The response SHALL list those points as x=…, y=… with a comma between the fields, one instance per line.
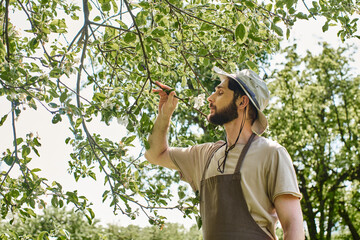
x=158, y=152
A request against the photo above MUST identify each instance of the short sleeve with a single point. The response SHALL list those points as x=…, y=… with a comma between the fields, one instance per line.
x=190, y=162
x=282, y=176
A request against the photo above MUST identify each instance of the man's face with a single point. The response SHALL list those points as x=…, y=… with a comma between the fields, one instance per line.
x=222, y=105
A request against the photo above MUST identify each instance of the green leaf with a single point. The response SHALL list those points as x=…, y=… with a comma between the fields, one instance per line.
x=115, y=6
x=15, y=193
x=325, y=27
x=129, y=37
x=301, y=15
x=277, y=29
x=128, y=140
x=146, y=144
x=105, y=5
x=99, y=97
x=78, y=122
x=63, y=97
x=30, y=212
x=268, y=7
x=249, y=4
x=34, y=43
x=96, y=19
x=55, y=73
x=287, y=33
x=289, y=3
x=53, y=105
x=92, y=175
x=241, y=33
x=43, y=235
x=92, y=214
x=181, y=194
x=251, y=65
x=61, y=203
x=56, y=118
x=36, y=142
x=25, y=151
x=3, y=119
x=55, y=201
x=158, y=32
x=206, y=27
x=65, y=233
x=88, y=218
x=19, y=141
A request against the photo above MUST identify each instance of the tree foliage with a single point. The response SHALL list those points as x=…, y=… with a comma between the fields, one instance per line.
x=315, y=115
x=104, y=69
x=58, y=223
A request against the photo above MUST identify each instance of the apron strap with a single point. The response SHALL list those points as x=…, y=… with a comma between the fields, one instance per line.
x=243, y=153
x=215, y=147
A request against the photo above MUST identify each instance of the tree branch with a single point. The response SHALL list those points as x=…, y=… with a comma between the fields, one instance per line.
x=7, y=2
x=196, y=76
x=308, y=9
x=200, y=19
x=109, y=26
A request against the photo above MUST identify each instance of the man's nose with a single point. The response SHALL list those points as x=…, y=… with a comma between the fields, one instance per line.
x=210, y=98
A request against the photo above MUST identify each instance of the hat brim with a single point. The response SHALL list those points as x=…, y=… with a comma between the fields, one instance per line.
x=261, y=123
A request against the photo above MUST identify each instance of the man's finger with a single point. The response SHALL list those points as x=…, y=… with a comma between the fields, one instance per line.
x=162, y=86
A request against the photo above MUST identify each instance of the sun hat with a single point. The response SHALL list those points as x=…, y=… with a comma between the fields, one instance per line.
x=255, y=88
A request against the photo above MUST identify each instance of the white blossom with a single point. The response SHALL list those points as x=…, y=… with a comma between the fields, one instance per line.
x=108, y=104
x=123, y=121
x=199, y=100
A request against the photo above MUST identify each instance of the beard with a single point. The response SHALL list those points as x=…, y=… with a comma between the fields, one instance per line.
x=224, y=115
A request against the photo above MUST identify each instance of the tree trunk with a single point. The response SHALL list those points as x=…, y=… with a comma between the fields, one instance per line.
x=345, y=216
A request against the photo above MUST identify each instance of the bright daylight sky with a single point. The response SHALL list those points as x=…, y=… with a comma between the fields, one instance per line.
x=55, y=153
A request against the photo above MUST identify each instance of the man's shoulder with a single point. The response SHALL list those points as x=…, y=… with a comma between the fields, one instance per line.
x=268, y=144
x=200, y=147
x=208, y=146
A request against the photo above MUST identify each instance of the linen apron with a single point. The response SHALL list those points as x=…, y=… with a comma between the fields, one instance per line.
x=223, y=209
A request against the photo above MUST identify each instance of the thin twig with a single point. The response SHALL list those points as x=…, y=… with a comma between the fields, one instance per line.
x=34, y=27
x=196, y=76
x=109, y=26
x=200, y=19
x=6, y=30
x=308, y=9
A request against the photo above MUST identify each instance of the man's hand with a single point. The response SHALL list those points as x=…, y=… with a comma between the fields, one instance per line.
x=168, y=102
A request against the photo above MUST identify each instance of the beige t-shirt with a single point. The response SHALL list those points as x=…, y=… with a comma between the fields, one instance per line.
x=266, y=173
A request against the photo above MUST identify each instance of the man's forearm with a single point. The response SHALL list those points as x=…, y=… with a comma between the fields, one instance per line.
x=158, y=138
x=158, y=151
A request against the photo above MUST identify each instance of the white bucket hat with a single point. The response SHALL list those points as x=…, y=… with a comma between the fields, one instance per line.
x=255, y=88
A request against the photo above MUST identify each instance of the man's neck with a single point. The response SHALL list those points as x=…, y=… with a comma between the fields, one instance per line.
x=232, y=130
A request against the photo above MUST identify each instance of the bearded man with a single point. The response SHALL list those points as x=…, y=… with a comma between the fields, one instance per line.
x=247, y=182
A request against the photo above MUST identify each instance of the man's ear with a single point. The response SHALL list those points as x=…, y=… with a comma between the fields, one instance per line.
x=242, y=101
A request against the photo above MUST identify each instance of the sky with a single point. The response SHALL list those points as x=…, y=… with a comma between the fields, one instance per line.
x=54, y=153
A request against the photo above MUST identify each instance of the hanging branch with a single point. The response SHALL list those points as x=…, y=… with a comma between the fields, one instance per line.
x=339, y=124
x=146, y=67
x=34, y=27
x=308, y=9
x=6, y=30
x=196, y=76
x=200, y=19
x=109, y=26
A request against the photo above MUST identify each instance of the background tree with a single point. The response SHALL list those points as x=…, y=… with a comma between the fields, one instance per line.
x=105, y=70
x=59, y=223
x=315, y=115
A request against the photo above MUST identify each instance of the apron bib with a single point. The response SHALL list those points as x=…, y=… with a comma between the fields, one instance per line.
x=223, y=209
